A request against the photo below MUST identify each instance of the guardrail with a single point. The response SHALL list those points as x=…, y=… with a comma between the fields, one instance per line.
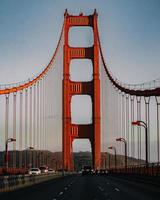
x=13, y=182
x=12, y=171
x=153, y=169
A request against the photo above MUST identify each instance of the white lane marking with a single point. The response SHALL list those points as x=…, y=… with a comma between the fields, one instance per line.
x=117, y=189
x=60, y=193
x=65, y=188
x=54, y=199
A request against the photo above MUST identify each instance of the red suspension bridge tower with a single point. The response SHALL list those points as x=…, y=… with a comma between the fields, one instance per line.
x=70, y=88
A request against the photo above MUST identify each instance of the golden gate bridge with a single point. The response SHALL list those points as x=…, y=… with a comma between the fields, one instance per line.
x=36, y=113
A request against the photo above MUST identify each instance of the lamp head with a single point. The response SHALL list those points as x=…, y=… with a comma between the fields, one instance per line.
x=136, y=123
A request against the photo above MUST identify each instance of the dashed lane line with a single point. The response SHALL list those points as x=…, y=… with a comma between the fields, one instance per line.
x=60, y=193
x=117, y=189
x=101, y=189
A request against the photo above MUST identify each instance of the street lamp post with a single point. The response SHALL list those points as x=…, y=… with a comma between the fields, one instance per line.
x=109, y=163
x=142, y=123
x=125, y=145
x=30, y=156
x=6, y=150
x=106, y=161
x=115, y=155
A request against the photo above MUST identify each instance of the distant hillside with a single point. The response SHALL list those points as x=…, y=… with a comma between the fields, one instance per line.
x=54, y=160
x=85, y=158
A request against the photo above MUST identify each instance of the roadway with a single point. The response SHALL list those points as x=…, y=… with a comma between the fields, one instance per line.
x=88, y=187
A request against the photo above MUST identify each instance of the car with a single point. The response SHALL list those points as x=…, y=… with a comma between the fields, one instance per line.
x=34, y=171
x=97, y=172
x=87, y=170
x=103, y=172
x=43, y=169
x=51, y=170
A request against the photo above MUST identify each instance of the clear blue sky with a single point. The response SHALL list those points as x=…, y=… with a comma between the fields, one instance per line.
x=129, y=31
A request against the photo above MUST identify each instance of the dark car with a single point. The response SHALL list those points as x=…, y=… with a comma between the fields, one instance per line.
x=103, y=172
x=87, y=170
x=43, y=169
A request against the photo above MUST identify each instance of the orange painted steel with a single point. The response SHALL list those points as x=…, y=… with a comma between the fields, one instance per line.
x=127, y=90
x=70, y=88
x=35, y=80
x=12, y=170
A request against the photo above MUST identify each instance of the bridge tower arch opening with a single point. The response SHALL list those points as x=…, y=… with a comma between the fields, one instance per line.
x=70, y=88
x=81, y=153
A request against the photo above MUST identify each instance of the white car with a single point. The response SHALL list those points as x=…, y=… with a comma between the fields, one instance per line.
x=34, y=171
x=51, y=170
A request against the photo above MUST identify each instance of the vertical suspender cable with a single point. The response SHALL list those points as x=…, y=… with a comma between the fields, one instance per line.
x=43, y=113
x=40, y=119
x=37, y=116
x=37, y=105
x=116, y=110
x=132, y=127
x=26, y=125
x=158, y=127
x=119, y=117
x=138, y=99
x=14, y=129
x=123, y=116
x=30, y=129
x=6, y=117
x=34, y=126
x=127, y=123
x=30, y=118
x=20, y=128
x=45, y=126
x=147, y=111
x=43, y=120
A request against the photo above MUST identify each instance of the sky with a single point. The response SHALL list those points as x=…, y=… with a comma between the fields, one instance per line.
x=129, y=32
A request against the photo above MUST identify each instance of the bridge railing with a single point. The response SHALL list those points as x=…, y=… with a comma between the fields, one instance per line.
x=12, y=171
x=13, y=182
x=153, y=169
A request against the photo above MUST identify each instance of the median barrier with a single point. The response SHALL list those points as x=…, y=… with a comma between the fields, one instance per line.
x=13, y=182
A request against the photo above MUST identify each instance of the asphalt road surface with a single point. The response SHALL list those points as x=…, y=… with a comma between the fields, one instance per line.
x=88, y=187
